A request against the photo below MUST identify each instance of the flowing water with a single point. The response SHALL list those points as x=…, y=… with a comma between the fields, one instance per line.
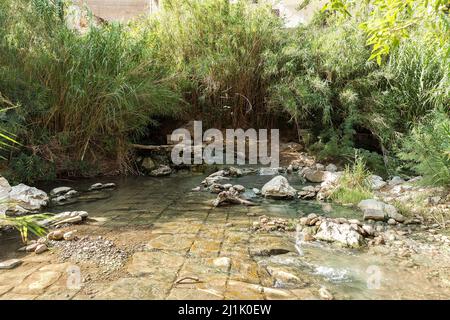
x=169, y=203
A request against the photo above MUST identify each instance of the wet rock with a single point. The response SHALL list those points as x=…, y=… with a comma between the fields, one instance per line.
x=239, y=188
x=196, y=189
x=278, y=188
x=267, y=224
x=342, y=233
x=10, y=264
x=99, y=186
x=163, y=170
x=230, y=197
x=28, y=198
x=256, y=191
x=59, y=191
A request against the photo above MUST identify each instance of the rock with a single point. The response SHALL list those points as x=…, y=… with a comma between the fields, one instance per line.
x=325, y=294
x=391, y=222
x=196, y=189
x=55, y=235
x=379, y=211
x=59, y=191
x=31, y=247
x=256, y=191
x=320, y=167
x=234, y=172
x=70, y=220
x=41, y=248
x=70, y=235
x=268, y=171
x=163, y=170
x=5, y=188
x=277, y=188
x=99, y=186
x=29, y=198
x=222, y=262
x=342, y=233
x=376, y=182
x=239, y=188
x=373, y=214
x=230, y=197
x=395, y=181
x=10, y=264
x=331, y=168
x=312, y=175
x=148, y=164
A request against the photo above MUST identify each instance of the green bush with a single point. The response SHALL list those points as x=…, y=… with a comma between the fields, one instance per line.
x=88, y=87
x=427, y=148
x=354, y=184
x=216, y=48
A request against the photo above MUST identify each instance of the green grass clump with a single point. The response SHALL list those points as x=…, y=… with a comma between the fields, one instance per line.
x=354, y=184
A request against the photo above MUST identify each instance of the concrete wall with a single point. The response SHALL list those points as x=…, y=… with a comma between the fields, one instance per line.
x=120, y=10
x=123, y=10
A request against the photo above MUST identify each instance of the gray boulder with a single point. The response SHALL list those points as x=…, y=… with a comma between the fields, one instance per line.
x=278, y=188
x=28, y=198
x=379, y=211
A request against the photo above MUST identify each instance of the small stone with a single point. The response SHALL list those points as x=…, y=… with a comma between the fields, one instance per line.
x=10, y=264
x=41, y=248
x=69, y=236
x=55, y=235
x=239, y=188
x=331, y=168
x=392, y=222
x=32, y=247
x=196, y=189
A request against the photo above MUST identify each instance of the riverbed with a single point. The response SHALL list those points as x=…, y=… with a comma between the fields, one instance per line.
x=177, y=246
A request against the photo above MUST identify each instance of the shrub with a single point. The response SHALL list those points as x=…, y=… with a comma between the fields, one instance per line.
x=101, y=84
x=217, y=50
x=427, y=148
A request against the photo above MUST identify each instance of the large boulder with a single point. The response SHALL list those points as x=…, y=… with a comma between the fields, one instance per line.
x=341, y=233
x=5, y=188
x=278, y=188
x=28, y=198
x=379, y=211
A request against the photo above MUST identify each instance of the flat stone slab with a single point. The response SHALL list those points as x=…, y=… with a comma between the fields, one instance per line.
x=156, y=264
x=10, y=264
x=135, y=289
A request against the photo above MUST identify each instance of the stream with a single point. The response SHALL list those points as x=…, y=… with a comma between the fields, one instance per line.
x=176, y=215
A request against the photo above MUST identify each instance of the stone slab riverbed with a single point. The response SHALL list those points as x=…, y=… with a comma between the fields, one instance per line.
x=155, y=238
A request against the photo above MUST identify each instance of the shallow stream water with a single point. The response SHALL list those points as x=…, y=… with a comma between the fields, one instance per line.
x=169, y=201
